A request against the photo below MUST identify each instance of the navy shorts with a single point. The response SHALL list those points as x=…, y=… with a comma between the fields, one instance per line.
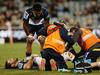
x=35, y=28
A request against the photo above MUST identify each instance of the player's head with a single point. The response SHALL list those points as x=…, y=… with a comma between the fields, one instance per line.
x=37, y=9
x=68, y=22
x=65, y=20
x=11, y=63
x=73, y=30
x=51, y=28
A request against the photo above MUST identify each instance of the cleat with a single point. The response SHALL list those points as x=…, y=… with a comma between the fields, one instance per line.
x=53, y=65
x=42, y=65
x=64, y=70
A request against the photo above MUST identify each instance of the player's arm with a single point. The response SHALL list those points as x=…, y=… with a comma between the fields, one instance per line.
x=75, y=38
x=46, y=18
x=76, y=35
x=25, y=27
x=25, y=22
x=46, y=22
x=66, y=37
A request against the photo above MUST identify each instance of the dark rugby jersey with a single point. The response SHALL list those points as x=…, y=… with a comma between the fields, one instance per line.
x=22, y=62
x=32, y=20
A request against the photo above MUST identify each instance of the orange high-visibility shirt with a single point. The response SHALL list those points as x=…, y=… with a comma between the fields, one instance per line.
x=55, y=42
x=87, y=39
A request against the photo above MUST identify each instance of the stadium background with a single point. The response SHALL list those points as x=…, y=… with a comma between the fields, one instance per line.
x=85, y=12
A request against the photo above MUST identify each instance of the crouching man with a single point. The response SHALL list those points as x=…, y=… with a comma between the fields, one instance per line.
x=54, y=46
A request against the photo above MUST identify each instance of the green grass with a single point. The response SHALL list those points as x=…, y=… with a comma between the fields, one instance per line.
x=18, y=50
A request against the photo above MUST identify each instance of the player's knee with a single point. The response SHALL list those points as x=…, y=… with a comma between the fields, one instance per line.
x=41, y=39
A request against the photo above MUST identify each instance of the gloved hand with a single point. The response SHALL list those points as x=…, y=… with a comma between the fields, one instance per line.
x=68, y=56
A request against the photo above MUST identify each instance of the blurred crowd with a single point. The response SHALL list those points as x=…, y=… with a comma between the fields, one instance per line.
x=85, y=12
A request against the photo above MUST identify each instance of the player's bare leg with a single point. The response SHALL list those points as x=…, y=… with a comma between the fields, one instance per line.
x=41, y=40
x=42, y=65
x=95, y=64
x=29, y=48
x=53, y=65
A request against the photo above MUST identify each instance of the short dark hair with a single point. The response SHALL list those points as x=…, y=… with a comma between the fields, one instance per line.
x=37, y=7
x=74, y=29
x=7, y=65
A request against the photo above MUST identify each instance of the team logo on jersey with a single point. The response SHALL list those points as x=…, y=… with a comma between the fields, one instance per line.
x=26, y=15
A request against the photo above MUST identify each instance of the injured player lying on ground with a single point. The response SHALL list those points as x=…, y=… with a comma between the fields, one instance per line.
x=34, y=62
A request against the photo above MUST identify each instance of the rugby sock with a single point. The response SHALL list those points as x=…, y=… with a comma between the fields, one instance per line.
x=28, y=55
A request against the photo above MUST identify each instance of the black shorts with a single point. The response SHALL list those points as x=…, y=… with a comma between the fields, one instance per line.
x=35, y=28
x=48, y=54
x=42, y=31
x=93, y=55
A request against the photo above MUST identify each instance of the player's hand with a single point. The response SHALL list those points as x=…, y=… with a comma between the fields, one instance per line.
x=30, y=37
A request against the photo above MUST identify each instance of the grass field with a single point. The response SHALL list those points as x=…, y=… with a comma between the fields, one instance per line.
x=18, y=50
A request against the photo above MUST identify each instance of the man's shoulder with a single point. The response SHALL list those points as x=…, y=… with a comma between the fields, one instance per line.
x=44, y=10
x=45, y=13
x=29, y=10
